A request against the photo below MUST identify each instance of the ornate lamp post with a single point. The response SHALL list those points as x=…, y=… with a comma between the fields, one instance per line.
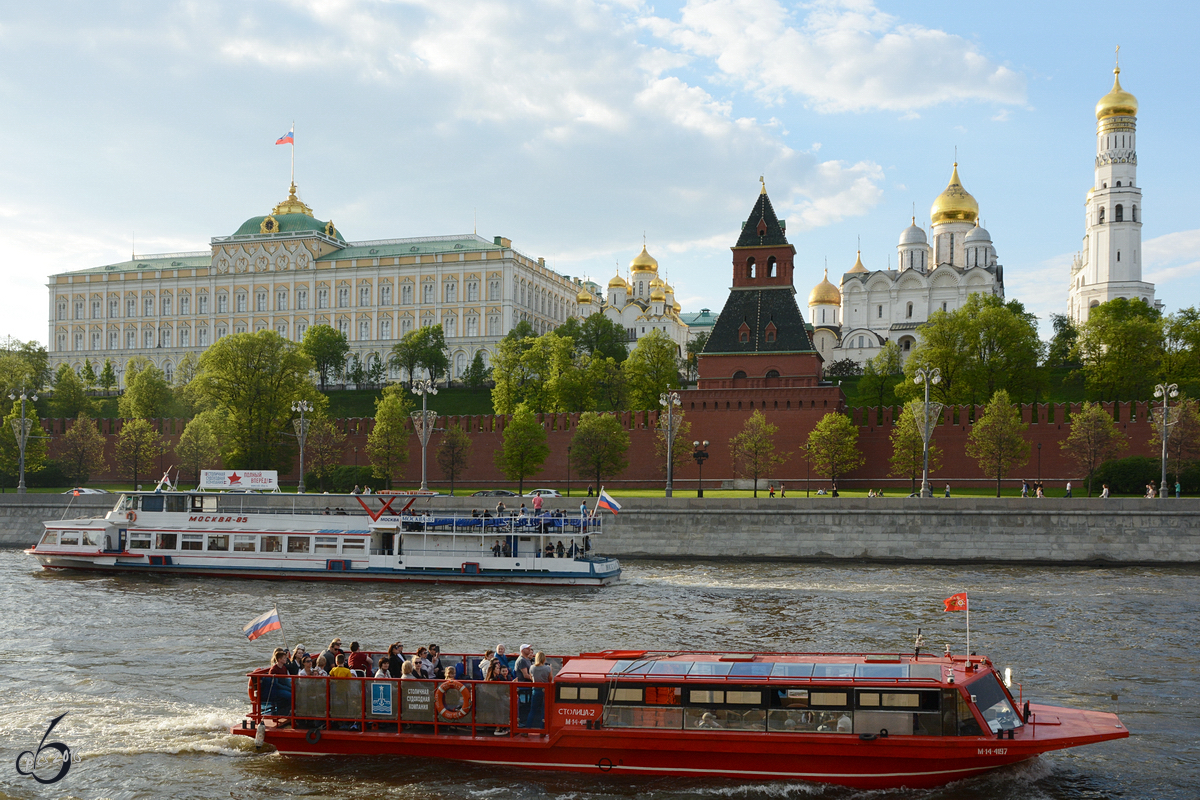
x=930, y=412
x=21, y=428
x=1167, y=417
x=670, y=400
x=301, y=426
x=700, y=453
x=423, y=421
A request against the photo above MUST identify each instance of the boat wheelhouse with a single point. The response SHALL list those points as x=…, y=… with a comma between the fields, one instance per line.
x=378, y=537
x=870, y=721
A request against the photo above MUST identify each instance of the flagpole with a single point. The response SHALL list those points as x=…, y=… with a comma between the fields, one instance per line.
x=968, y=624
x=281, y=633
x=293, y=152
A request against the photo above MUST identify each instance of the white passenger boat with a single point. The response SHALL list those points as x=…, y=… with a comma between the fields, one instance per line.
x=378, y=537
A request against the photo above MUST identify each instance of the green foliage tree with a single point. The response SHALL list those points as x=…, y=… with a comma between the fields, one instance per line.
x=996, y=440
x=184, y=400
x=1093, y=439
x=138, y=445
x=694, y=348
x=1181, y=346
x=70, y=397
x=253, y=379
x=753, y=451
x=525, y=449
x=651, y=369
x=544, y=363
x=36, y=446
x=833, y=446
x=880, y=376
x=327, y=348
x=1183, y=438
x=356, y=373
x=324, y=449
x=1061, y=350
x=610, y=389
x=375, y=370
x=453, y=454
x=1120, y=347
x=432, y=355
x=596, y=335
x=199, y=446
x=908, y=448
x=843, y=368
x=88, y=375
x=681, y=443
x=147, y=394
x=477, y=372
x=599, y=446
x=387, y=444
x=80, y=451
x=108, y=376
x=24, y=366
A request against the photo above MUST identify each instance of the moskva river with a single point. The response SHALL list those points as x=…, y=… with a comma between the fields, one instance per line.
x=151, y=671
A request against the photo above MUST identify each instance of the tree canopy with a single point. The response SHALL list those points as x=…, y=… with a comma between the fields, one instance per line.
x=139, y=447
x=80, y=451
x=997, y=439
x=651, y=369
x=422, y=349
x=1120, y=347
x=70, y=395
x=1093, y=439
x=147, y=394
x=908, y=446
x=599, y=446
x=753, y=450
x=24, y=366
x=387, y=444
x=524, y=450
x=199, y=447
x=327, y=348
x=453, y=454
x=833, y=446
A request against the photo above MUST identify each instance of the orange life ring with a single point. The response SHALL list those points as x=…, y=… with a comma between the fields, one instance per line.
x=439, y=703
x=131, y=516
x=252, y=688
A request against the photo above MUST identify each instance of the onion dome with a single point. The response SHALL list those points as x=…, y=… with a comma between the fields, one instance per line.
x=825, y=294
x=657, y=295
x=643, y=262
x=913, y=234
x=289, y=216
x=584, y=297
x=858, y=265
x=1118, y=102
x=658, y=283
x=676, y=307
x=954, y=204
x=618, y=282
x=978, y=234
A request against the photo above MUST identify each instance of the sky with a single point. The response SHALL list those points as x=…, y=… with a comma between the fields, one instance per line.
x=577, y=128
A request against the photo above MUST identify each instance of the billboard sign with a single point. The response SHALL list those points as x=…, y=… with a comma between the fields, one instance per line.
x=230, y=479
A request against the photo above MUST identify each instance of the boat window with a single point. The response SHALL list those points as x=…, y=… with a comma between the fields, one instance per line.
x=177, y=502
x=218, y=541
x=881, y=671
x=671, y=668
x=90, y=537
x=993, y=703
x=326, y=544
x=967, y=724
x=791, y=670
x=663, y=695
x=243, y=543
x=926, y=671
x=298, y=544
x=755, y=669
x=69, y=538
x=833, y=670
x=625, y=695
x=193, y=541
x=270, y=544
x=579, y=693
x=641, y=717
x=631, y=667
x=124, y=503
x=49, y=537
x=166, y=541
x=152, y=502
x=139, y=540
x=827, y=698
x=354, y=546
x=717, y=668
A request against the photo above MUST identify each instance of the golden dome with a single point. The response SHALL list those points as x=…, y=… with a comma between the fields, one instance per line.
x=825, y=293
x=676, y=307
x=954, y=204
x=657, y=295
x=584, y=297
x=293, y=204
x=1118, y=102
x=644, y=262
x=858, y=265
x=618, y=282
x=658, y=282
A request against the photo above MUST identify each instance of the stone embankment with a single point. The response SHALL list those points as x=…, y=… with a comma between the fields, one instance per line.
x=22, y=515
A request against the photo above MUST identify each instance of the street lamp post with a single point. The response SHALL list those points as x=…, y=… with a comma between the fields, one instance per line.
x=670, y=400
x=808, y=478
x=423, y=421
x=1039, y=463
x=927, y=376
x=21, y=428
x=568, y=470
x=301, y=426
x=700, y=453
x=1166, y=419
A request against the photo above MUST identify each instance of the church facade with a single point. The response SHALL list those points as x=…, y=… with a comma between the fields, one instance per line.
x=935, y=272
x=642, y=303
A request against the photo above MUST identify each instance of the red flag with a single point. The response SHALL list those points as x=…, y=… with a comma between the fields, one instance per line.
x=957, y=602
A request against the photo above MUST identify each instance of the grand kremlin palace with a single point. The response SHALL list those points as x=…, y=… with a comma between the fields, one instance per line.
x=288, y=270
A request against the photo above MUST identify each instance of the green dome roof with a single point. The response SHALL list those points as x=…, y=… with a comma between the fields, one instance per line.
x=288, y=223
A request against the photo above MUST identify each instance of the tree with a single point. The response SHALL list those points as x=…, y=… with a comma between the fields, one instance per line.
x=88, y=375
x=356, y=373
x=880, y=376
x=599, y=446
x=453, y=452
x=387, y=444
x=753, y=450
x=544, y=363
x=596, y=335
x=375, y=370
x=1093, y=439
x=477, y=373
x=833, y=446
x=199, y=446
x=843, y=368
x=70, y=397
x=681, y=451
x=996, y=439
x=524, y=450
x=138, y=445
x=1183, y=438
x=253, y=379
x=1121, y=347
x=651, y=369
x=324, y=449
x=327, y=347
x=694, y=348
x=147, y=394
x=1061, y=350
x=944, y=345
x=1181, y=346
x=24, y=366
x=434, y=357
x=108, y=376
x=80, y=451
x=35, y=445
x=609, y=385
x=908, y=447
x=186, y=402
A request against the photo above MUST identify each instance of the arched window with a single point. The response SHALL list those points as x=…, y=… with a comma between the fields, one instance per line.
x=908, y=311
x=1119, y=213
x=1101, y=220
x=1133, y=213
x=1122, y=138
x=771, y=267
x=750, y=267
x=739, y=375
x=772, y=373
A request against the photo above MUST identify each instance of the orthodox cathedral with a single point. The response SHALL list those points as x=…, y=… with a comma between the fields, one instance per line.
x=640, y=304
x=936, y=272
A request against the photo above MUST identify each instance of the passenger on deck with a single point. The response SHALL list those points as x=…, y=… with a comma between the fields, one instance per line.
x=497, y=549
x=383, y=672
x=424, y=662
x=417, y=670
x=537, y=504
x=307, y=669
x=561, y=551
x=396, y=659
x=297, y=659
x=474, y=513
x=541, y=674
x=332, y=652
x=845, y=724
x=319, y=667
x=708, y=720
x=524, y=696
x=500, y=654
x=276, y=690
x=327, y=511
x=549, y=550
x=406, y=672
x=358, y=659
x=522, y=513
x=477, y=672
x=435, y=660
x=505, y=550
x=499, y=508
x=341, y=670
x=572, y=550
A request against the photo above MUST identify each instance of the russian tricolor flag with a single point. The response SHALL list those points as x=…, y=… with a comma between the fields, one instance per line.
x=287, y=138
x=607, y=502
x=261, y=625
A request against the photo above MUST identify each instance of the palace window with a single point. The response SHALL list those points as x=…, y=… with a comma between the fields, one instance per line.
x=112, y=340
x=472, y=291
x=493, y=325
x=185, y=337
x=427, y=293
x=493, y=290
x=385, y=295
x=96, y=341
x=185, y=305
x=202, y=337
x=79, y=309
x=364, y=329
x=472, y=326
x=281, y=299
x=302, y=299
x=130, y=339
x=281, y=329
x=343, y=297
x=322, y=298
x=222, y=332
x=260, y=301
x=241, y=302
x=79, y=341
x=364, y=295
x=166, y=306
x=130, y=308
x=405, y=325
x=406, y=294
x=148, y=338
x=344, y=327
x=301, y=329
x=222, y=304
x=95, y=309
x=148, y=307
x=385, y=329
x=450, y=326
x=165, y=337
x=451, y=292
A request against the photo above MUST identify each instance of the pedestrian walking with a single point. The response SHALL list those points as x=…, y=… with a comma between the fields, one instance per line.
x=1176, y=490
x=947, y=490
x=1068, y=494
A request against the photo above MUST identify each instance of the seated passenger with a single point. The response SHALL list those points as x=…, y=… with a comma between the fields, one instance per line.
x=501, y=655
x=479, y=667
x=418, y=671
x=845, y=724
x=358, y=660
x=341, y=670
x=276, y=690
x=319, y=667
x=435, y=660
x=332, y=652
x=424, y=662
x=384, y=663
x=307, y=668
x=395, y=656
x=406, y=672
x=708, y=720
x=297, y=658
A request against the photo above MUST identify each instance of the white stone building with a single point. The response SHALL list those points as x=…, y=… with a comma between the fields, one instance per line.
x=643, y=303
x=1110, y=263
x=936, y=272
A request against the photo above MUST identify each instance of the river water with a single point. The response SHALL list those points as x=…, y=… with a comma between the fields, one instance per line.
x=151, y=670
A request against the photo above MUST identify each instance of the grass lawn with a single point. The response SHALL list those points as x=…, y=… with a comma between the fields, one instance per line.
x=455, y=401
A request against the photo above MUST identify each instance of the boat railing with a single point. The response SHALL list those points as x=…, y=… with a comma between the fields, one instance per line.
x=545, y=524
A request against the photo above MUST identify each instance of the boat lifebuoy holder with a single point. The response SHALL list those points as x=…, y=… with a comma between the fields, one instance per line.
x=131, y=516
x=313, y=736
x=464, y=691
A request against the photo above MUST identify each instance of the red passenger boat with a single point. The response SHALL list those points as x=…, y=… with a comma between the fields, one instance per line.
x=870, y=721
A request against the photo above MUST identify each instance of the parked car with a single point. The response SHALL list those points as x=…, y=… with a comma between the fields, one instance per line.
x=86, y=490
x=543, y=493
x=494, y=493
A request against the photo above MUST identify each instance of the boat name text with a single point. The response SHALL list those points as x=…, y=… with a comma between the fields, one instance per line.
x=217, y=519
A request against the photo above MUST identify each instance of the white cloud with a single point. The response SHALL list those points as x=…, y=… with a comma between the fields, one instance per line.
x=1172, y=257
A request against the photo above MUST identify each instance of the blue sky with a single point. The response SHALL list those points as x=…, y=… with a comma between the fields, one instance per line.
x=575, y=127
